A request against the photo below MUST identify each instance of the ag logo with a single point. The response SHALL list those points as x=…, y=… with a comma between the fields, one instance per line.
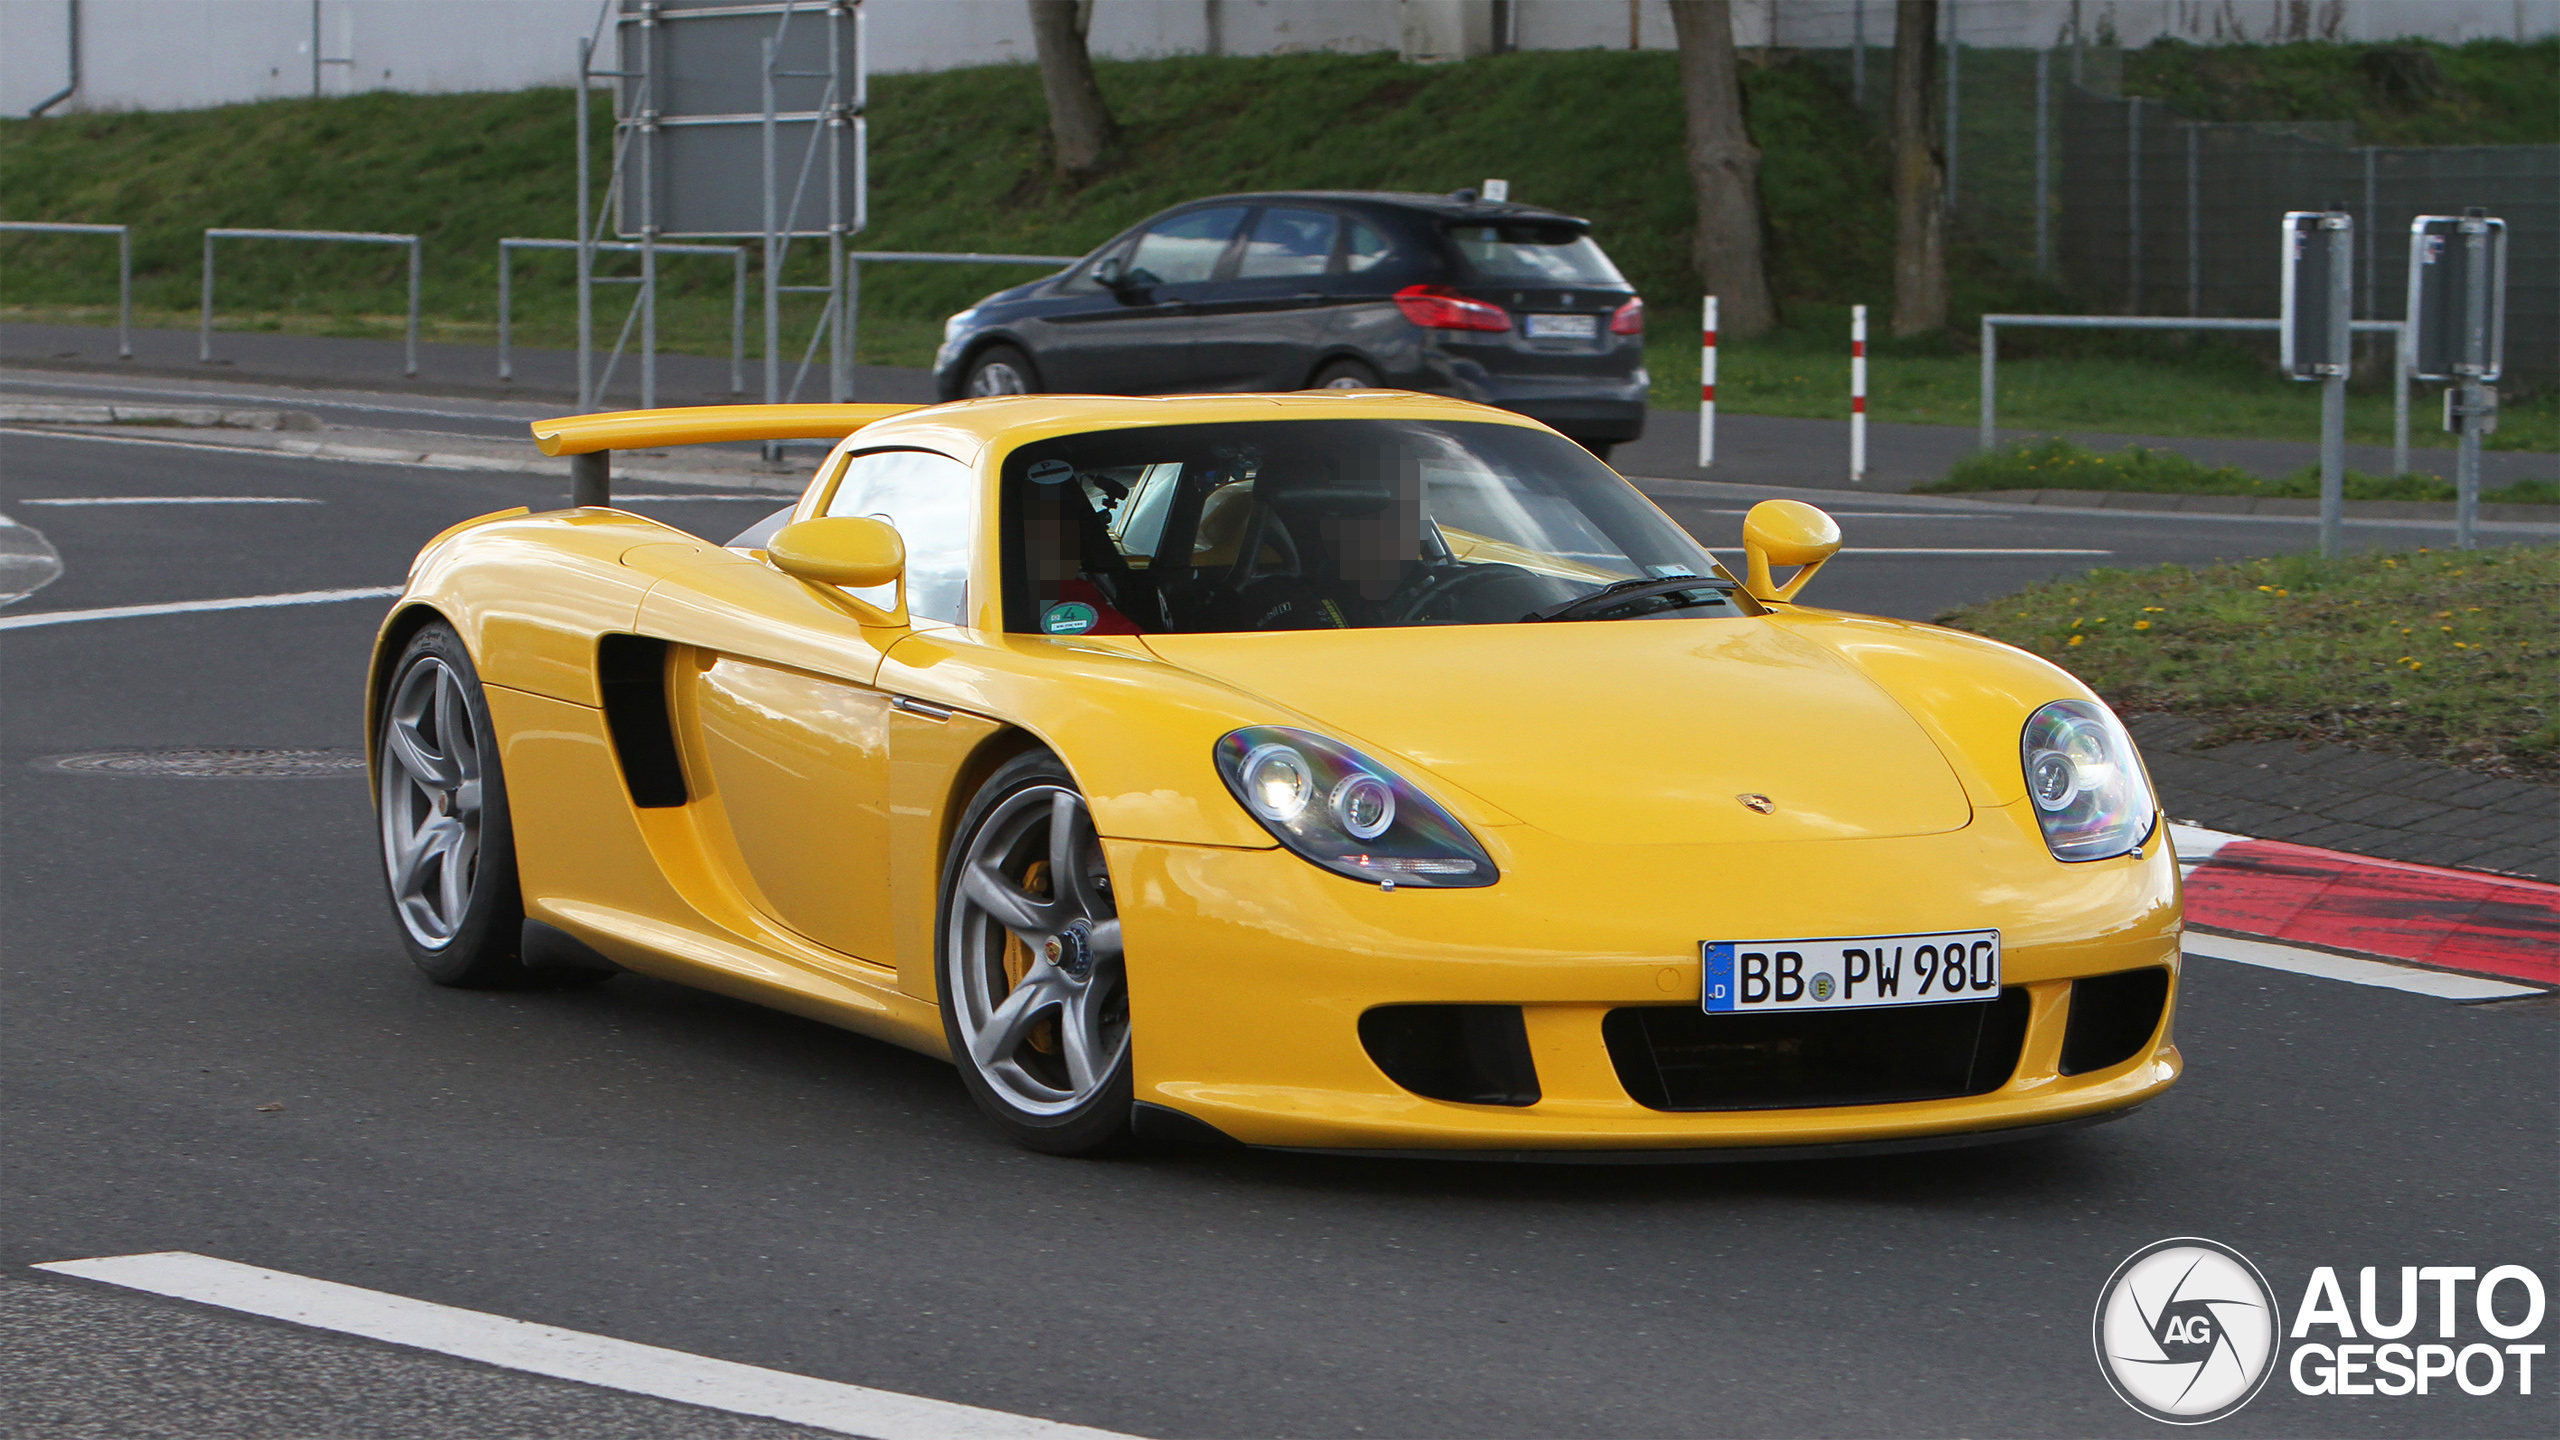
x=2186, y=1331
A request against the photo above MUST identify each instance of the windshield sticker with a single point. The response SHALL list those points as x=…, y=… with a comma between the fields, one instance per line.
x=1051, y=472
x=1068, y=617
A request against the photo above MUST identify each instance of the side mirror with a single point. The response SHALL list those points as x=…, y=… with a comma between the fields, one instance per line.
x=1107, y=272
x=1785, y=532
x=849, y=552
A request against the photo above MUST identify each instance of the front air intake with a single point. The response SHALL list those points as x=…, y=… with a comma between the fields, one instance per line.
x=1678, y=1057
x=2113, y=1018
x=1470, y=1054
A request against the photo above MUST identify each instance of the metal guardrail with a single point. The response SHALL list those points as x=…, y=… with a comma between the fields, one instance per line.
x=962, y=257
x=737, y=302
x=204, y=335
x=124, y=266
x=1991, y=324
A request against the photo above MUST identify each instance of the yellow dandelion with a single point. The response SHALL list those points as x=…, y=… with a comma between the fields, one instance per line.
x=2076, y=639
x=2270, y=589
x=2141, y=624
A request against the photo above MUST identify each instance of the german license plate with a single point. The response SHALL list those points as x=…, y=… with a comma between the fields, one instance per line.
x=1860, y=972
x=1563, y=327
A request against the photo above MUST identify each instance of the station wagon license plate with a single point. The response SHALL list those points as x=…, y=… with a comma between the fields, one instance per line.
x=1563, y=327
x=1859, y=972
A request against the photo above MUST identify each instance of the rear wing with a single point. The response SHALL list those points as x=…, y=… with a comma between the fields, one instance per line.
x=590, y=440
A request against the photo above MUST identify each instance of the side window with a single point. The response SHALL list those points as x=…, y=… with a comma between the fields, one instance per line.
x=1288, y=242
x=933, y=501
x=1369, y=249
x=1185, y=249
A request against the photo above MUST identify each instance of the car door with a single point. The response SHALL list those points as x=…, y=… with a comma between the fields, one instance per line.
x=1135, y=338
x=1262, y=328
x=784, y=737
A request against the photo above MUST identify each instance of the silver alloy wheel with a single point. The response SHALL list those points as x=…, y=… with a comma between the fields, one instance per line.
x=431, y=800
x=1349, y=382
x=1035, y=979
x=997, y=378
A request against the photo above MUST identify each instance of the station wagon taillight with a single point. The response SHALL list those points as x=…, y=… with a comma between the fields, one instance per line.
x=1437, y=307
x=1629, y=318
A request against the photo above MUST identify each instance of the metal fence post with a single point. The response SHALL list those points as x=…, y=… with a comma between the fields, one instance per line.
x=204, y=326
x=2333, y=384
x=2475, y=355
x=1990, y=379
x=416, y=246
x=738, y=325
x=586, y=250
x=1707, y=383
x=124, y=292
x=2133, y=205
x=1857, y=393
x=506, y=308
x=2400, y=398
x=2044, y=165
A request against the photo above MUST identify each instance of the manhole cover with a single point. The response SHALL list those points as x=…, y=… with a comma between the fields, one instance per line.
x=235, y=764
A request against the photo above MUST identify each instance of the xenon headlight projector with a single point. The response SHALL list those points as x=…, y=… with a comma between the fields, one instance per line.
x=1340, y=809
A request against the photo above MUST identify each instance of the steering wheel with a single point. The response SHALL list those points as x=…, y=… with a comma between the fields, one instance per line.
x=1429, y=589
x=1246, y=571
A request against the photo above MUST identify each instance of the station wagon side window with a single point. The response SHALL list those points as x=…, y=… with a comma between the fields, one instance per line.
x=1288, y=242
x=1367, y=249
x=1185, y=249
x=932, y=501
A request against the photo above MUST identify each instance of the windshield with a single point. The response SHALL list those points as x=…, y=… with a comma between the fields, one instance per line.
x=1329, y=524
x=1537, y=254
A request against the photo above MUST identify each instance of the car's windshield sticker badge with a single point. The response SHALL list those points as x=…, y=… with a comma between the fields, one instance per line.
x=1051, y=472
x=1068, y=617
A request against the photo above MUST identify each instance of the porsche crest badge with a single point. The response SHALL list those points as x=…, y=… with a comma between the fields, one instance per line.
x=1758, y=804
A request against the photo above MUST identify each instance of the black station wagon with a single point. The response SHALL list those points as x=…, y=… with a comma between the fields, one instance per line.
x=1504, y=304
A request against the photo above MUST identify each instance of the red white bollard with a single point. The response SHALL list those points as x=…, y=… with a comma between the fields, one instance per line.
x=1707, y=388
x=1857, y=392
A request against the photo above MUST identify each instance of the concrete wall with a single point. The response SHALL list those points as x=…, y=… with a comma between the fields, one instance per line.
x=178, y=54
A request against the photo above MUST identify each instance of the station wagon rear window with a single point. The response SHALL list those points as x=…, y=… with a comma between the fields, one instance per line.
x=1533, y=254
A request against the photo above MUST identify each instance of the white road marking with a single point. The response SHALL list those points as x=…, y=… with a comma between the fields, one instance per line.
x=176, y=500
x=1843, y=512
x=189, y=607
x=28, y=561
x=769, y=497
x=2273, y=956
x=255, y=452
x=1927, y=550
x=2195, y=844
x=564, y=1354
x=19, y=377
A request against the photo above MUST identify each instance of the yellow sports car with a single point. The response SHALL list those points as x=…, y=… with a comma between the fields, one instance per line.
x=1344, y=770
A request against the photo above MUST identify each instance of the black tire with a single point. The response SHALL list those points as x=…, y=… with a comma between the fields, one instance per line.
x=470, y=932
x=999, y=370
x=1096, y=1120
x=1344, y=375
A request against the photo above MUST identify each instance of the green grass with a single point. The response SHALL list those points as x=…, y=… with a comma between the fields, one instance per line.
x=2055, y=464
x=960, y=161
x=2487, y=92
x=2441, y=655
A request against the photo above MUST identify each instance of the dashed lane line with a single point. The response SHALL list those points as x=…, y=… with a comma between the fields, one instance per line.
x=1932, y=550
x=176, y=500
x=190, y=607
x=563, y=1354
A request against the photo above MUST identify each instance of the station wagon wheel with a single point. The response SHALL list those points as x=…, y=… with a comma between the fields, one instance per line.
x=1035, y=994
x=1344, y=375
x=448, y=843
x=999, y=370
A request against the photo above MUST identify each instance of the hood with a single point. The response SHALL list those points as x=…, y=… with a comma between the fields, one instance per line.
x=1640, y=732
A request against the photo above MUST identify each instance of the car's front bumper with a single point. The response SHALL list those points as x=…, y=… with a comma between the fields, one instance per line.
x=1249, y=971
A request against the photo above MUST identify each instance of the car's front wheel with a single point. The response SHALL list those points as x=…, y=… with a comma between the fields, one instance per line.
x=1345, y=375
x=1035, y=997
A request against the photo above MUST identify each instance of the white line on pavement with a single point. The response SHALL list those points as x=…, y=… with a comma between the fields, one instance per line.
x=2273, y=956
x=1927, y=550
x=176, y=500
x=317, y=400
x=1845, y=512
x=254, y=452
x=628, y=497
x=563, y=1354
x=189, y=607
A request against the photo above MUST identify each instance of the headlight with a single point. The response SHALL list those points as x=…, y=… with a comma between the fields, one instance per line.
x=952, y=327
x=2090, y=797
x=1338, y=808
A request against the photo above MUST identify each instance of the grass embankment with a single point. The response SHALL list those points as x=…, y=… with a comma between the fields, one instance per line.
x=2441, y=655
x=2055, y=464
x=960, y=162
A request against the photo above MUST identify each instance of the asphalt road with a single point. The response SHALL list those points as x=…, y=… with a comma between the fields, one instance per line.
x=637, y=1160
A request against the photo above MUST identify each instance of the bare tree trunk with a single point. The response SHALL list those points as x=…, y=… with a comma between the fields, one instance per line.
x=1080, y=124
x=1724, y=168
x=1919, y=174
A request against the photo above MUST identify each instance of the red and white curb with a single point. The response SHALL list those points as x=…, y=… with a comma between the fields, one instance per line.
x=2455, y=934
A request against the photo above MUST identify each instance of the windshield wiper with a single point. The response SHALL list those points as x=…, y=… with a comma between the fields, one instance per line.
x=1627, y=592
